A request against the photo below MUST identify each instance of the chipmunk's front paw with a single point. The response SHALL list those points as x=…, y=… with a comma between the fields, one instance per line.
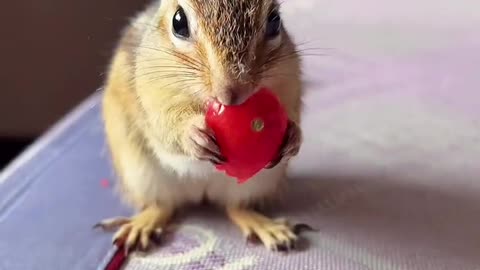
x=201, y=143
x=291, y=144
x=276, y=235
x=140, y=231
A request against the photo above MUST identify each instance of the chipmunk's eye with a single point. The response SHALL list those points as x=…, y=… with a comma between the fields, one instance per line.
x=180, y=24
x=274, y=23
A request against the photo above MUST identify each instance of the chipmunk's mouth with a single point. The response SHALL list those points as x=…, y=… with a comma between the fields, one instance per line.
x=234, y=97
x=232, y=101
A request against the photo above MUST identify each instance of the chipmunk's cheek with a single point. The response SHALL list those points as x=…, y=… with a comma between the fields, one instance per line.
x=269, y=82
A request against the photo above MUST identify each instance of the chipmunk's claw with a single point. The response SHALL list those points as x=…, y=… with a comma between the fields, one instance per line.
x=275, y=235
x=302, y=227
x=252, y=238
x=111, y=223
x=140, y=232
x=202, y=143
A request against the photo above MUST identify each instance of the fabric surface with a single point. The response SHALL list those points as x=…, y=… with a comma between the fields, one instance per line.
x=389, y=172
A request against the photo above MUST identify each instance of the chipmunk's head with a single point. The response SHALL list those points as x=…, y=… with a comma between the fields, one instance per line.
x=223, y=49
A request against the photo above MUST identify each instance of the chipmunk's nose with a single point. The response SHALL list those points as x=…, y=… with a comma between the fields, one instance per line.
x=233, y=95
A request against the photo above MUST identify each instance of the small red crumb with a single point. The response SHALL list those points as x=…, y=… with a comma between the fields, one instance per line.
x=105, y=183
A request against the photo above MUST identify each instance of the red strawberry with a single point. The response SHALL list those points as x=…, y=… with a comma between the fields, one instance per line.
x=249, y=135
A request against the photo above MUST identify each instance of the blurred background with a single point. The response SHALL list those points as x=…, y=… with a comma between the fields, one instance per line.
x=53, y=54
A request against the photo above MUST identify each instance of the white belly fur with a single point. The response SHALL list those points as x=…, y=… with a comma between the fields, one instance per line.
x=178, y=180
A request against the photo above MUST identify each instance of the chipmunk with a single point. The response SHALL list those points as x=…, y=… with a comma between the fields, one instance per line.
x=172, y=58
